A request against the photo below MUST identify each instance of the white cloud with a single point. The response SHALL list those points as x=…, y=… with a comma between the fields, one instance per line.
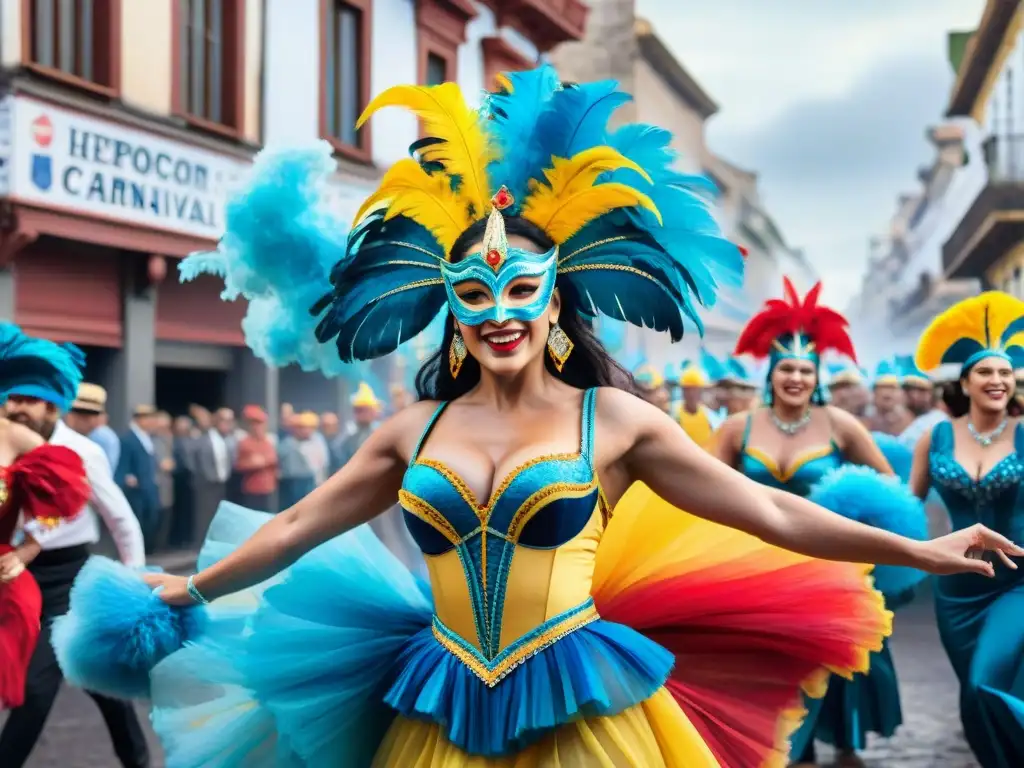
x=828, y=100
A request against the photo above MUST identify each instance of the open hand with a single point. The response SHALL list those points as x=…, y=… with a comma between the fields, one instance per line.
x=961, y=552
x=11, y=567
x=173, y=590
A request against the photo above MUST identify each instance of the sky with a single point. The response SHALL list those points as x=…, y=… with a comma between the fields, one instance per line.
x=828, y=101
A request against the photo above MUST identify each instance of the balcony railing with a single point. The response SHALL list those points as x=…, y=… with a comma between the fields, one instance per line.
x=1004, y=156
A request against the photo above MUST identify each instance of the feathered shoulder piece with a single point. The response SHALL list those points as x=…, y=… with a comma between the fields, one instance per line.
x=792, y=326
x=38, y=367
x=991, y=324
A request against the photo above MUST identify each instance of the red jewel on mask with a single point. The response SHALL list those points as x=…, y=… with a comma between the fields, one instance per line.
x=492, y=258
x=502, y=199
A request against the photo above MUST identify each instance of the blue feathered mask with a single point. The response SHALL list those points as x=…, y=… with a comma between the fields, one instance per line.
x=40, y=368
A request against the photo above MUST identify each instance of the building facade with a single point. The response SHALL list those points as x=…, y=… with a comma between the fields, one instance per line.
x=125, y=127
x=987, y=243
x=618, y=45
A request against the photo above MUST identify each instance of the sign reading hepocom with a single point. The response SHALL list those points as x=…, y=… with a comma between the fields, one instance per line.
x=63, y=159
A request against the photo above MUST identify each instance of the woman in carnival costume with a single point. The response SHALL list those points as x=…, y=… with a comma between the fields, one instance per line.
x=41, y=483
x=793, y=443
x=976, y=463
x=554, y=631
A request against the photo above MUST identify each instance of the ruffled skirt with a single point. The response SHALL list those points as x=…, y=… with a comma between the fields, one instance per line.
x=21, y=605
x=706, y=639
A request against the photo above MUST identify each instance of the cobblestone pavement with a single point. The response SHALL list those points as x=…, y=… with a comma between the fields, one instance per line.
x=930, y=738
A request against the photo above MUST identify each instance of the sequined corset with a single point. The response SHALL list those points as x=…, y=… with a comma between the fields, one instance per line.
x=806, y=469
x=994, y=500
x=512, y=575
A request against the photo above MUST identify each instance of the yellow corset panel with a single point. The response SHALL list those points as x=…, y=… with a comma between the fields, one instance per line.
x=542, y=583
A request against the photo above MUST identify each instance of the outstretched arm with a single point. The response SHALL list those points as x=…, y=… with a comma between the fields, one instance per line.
x=687, y=477
x=366, y=486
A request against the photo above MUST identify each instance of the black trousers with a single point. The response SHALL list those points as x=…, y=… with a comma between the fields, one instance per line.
x=55, y=571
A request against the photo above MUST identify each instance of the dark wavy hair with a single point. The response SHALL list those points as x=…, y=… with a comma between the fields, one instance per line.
x=958, y=404
x=589, y=365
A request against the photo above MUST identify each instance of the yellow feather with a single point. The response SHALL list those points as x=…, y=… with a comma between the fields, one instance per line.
x=408, y=190
x=465, y=150
x=561, y=218
x=567, y=177
x=503, y=82
x=983, y=318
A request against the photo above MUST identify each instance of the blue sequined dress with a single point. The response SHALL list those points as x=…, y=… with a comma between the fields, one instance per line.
x=981, y=620
x=851, y=708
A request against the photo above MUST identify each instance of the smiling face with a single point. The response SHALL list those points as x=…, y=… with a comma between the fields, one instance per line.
x=794, y=381
x=514, y=333
x=990, y=384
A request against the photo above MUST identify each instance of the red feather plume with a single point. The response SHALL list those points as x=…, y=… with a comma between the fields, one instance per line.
x=790, y=315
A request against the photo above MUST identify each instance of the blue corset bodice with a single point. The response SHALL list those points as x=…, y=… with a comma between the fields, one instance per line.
x=803, y=472
x=994, y=500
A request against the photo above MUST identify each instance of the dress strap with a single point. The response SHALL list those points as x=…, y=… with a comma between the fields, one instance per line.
x=942, y=437
x=427, y=430
x=746, y=431
x=587, y=424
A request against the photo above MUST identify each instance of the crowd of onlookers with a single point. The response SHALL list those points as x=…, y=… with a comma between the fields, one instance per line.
x=175, y=471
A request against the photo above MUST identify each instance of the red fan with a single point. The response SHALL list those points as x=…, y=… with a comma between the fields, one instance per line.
x=825, y=327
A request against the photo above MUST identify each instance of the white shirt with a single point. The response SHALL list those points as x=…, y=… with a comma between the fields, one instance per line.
x=221, y=456
x=106, y=499
x=920, y=426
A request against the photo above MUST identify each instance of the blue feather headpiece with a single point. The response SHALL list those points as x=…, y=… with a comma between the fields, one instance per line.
x=911, y=375
x=840, y=373
x=887, y=374
x=738, y=375
x=31, y=367
x=635, y=240
x=714, y=369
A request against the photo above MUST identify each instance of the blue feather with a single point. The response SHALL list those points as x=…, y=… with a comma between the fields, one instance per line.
x=522, y=150
x=117, y=630
x=862, y=494
x=900, y=458
x=277, y=251
x=388, y=295
x=713, y=368
x=577, y=117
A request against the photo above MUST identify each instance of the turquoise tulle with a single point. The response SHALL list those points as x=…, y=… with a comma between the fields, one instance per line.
x=900, y=458
x=117, y=629
x=602, y=668
x=862, y=494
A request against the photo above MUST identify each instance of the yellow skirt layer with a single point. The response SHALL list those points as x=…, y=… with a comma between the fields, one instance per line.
x=654, y=734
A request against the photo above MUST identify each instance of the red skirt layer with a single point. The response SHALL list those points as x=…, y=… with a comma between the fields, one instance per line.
x=21, y=606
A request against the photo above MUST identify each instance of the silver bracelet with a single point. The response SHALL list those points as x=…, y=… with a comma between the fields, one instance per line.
x=194, y=593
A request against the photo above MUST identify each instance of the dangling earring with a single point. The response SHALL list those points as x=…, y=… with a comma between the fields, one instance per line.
x=559, y=346
x=457, y=354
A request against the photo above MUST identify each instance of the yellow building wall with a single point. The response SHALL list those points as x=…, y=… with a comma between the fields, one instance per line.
x=146, y=56
x=1001, y=273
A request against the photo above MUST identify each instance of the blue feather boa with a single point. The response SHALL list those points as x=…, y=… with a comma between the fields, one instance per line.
x=118, y=629
x=862, y=494
x=900, y=457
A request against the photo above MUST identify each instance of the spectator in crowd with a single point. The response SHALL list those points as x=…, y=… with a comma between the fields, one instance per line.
x=256, y=462
x=400, y=397
x=365, y=412
x=284, y=425
x=163, y=444
x=181, y=532
x=302, y=458
x=202, y=420
x=88, y=417
x=330, y=428
x=137, y=472
x=213, y=463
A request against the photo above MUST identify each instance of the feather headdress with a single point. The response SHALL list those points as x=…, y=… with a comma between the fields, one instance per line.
x=39, y=368
x=991, y=324
x=911, y=375
x=636, y=240
x=888, y=374
x=795, y=327
x=840, y=373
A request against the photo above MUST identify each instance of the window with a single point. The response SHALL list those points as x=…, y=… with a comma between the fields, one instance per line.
x=345, y=59
x=437, y=69
x=209, y=63
x=77, y=41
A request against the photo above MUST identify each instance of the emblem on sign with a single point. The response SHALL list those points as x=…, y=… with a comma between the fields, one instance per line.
x=42, y=172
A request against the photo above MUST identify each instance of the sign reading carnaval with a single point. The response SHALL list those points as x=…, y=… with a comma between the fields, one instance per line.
x=63, y=159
